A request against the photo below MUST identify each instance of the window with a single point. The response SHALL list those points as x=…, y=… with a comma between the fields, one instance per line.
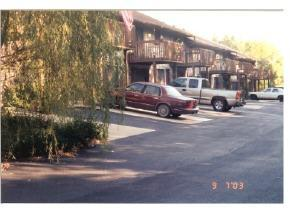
x=193, y=83
x=171, y=91
x=180, y=82
x=218, y=57
x=234, y=85
x=275, y=90
x=136, y=87
x=152, y=90
x=267, y=90
x=148, y=36
x=205, y=83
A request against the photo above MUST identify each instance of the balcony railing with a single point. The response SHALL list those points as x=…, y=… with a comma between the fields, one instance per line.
x=200, y=57
x=246, y=67
x=158, y=51
x=231, y=65
x=225, y=64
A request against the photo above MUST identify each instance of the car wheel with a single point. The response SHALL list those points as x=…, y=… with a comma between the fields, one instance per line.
x=219, y=105
x=163, y=110
x=280, y=98
x=176, y=115
x=254, y=97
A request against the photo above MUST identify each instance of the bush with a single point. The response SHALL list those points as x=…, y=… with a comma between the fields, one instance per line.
x=77, y=134
x=25, y=136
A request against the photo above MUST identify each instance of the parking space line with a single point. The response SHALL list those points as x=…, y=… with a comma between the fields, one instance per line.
x=253, y=106
x=213, y=113
x=184, y=119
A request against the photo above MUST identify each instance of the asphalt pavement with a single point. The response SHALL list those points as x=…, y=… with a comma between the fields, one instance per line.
x=211, y=157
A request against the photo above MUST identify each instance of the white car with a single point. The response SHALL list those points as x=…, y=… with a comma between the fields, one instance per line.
x=268, y=94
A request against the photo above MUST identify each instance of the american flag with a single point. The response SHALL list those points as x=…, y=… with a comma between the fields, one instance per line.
x=128, y=19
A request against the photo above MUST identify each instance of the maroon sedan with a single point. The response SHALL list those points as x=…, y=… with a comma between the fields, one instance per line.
x=166, y=100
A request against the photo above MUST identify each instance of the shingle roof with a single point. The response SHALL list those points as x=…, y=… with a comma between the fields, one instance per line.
x=220, y=47
x=209, y=44
x=147, y=20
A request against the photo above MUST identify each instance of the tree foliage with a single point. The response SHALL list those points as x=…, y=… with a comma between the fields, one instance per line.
x=57, y=58
x=267, y=56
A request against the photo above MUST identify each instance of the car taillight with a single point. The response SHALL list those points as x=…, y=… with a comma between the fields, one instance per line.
x=190, y=104
x=194, y=103
x=238, y=95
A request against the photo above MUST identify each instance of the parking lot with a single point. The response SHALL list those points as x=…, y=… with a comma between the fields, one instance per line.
x=234, y=156
x=205, y=114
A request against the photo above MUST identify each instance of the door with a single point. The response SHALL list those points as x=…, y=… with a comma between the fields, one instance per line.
x=275, y=93
x=151, y=96
x=140, y=73
x=161, y=77
x=193, y=89
x=167, y=76
x=266, y=94
x=205, y=92
x=133, y=95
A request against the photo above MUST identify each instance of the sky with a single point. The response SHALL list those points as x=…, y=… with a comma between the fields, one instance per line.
x=243, y=25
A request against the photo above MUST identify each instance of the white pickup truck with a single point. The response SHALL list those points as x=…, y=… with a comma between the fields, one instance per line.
x=198, y=88
x=268, y=94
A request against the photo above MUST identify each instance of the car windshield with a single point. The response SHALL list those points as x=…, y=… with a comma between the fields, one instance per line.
x=171, y=91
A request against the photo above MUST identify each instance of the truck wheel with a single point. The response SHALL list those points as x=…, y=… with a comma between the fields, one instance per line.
x=219, y=105
x=280, y=98
x=254, y=97
x=163, y=110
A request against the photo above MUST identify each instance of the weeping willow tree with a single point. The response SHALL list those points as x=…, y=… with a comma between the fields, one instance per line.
x=53, y=59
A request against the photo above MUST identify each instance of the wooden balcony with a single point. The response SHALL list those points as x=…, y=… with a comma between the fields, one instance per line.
x=159, y=51
x=225, y=64
x=246, y=67
x=200, y=57
x=231, y=65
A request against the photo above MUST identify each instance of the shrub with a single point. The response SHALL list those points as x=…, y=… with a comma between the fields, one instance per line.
x=77, y=134
x=26, y=136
